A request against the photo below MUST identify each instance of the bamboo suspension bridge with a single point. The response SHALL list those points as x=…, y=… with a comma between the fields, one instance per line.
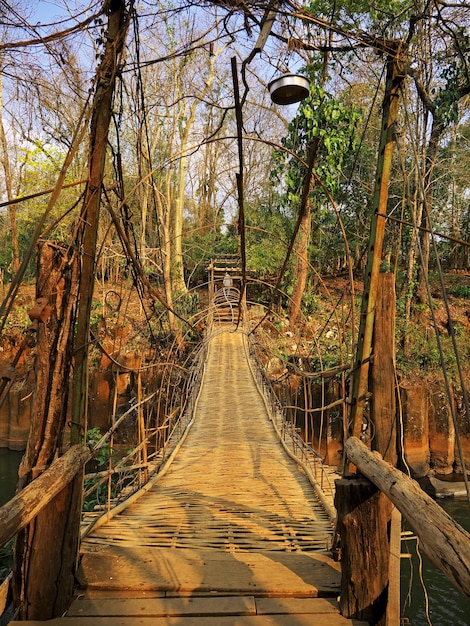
x=229, y=531
x=233, y=520
x=222, y=525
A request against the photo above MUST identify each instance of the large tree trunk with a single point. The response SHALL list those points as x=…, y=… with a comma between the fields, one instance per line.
x=431, y=156
x=46, y=550
x=300, y=282
x=118, y=22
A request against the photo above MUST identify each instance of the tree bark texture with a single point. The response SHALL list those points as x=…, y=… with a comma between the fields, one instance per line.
x=118, y=22
x=302, y=264
x=383, y=400
x=15, y=248
x=46, y=551
x=443, y=541
x=35, y=544
x=375, y=245
x=428, y=191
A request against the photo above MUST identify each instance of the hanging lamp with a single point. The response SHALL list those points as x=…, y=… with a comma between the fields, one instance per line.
x=289, y=88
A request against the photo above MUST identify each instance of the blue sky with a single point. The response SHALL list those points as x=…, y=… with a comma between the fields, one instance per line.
x=50, y=11
x=44, y=11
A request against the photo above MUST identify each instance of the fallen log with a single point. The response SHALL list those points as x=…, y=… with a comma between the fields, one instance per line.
x=26, y=504
x=443, y=541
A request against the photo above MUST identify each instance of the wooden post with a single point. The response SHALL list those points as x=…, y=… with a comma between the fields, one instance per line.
x=382, y=374
x=143, y=457
x=371, y=604
x=118, y=22
x=384, y=424
x=363, y=517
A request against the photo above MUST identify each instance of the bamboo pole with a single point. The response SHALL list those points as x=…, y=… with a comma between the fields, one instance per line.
x=443, y=541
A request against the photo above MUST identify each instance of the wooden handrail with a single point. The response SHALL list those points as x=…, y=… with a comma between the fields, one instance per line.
x=443, y=541
x=25, y=505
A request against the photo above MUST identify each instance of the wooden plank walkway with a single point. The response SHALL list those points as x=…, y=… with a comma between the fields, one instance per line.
x=232, y=534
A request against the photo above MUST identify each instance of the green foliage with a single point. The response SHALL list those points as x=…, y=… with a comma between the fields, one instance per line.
x=386, y=17
x=310, y=302
x=460, y=291
x=453, y=75
x=199, y=247
x=267, y=230
x=324, y=116
x=187, y=304
x=423, y=354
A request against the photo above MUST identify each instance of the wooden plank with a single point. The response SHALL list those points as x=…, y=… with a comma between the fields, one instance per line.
x=183, y=570
x=161, y=607
x=252, y=496
x=296, y=606
x=233, y=620
x=383, y=387
x=4, y=593
x=393, y=604
x=22, y=508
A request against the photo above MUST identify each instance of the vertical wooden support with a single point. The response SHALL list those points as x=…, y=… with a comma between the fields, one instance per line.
x=374, y=252
x=384, y=420
x=368, y=527
x=142, y=431
x=118, y=22
x=393, y=598
x=382, y=374
x=363, y=517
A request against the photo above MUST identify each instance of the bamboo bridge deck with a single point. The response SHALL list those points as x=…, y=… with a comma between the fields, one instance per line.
x=232, y=534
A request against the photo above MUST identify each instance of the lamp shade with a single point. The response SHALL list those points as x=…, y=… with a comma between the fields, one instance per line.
x=288, y=88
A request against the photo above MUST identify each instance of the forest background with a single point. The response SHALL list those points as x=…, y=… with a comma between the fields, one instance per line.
x=170, y=201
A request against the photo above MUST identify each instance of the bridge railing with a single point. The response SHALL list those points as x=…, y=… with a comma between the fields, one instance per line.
x=289, y=434
x=109, y=490
x=226, y=307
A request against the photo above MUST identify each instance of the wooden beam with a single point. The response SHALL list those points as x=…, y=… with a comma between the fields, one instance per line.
x=24, y=507
x=443, y=541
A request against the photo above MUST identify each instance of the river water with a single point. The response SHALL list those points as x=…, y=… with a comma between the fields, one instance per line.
x=444, y=606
